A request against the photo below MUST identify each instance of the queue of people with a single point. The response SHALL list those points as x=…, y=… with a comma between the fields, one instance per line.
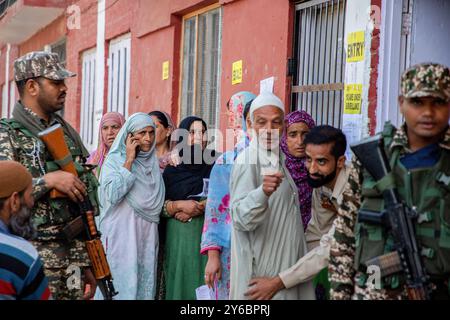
x=274, y=217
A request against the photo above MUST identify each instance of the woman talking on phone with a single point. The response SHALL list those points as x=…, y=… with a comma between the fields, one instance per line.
x=132, y=196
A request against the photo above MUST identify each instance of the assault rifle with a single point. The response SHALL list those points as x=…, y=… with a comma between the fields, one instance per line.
x=396, y=217
x=53, y=138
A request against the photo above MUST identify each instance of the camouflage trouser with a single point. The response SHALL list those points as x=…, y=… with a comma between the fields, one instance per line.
x=63, y=265
x=63, y=286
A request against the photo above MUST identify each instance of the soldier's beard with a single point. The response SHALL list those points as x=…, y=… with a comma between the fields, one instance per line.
x=21, y=224
x=49, y=107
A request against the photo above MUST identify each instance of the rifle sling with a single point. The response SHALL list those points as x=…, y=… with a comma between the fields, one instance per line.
x=386, y=183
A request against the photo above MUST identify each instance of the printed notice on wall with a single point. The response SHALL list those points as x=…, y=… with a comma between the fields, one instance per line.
x=266, y=85
x=237, y=72
x=165, y=70
x=355, y=47
x=352, y=128
x=352, y=98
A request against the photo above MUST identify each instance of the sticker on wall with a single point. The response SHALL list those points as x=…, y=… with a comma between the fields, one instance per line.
x=237, y=72
x=355, y=49
x=352, y=98
x=165, y=70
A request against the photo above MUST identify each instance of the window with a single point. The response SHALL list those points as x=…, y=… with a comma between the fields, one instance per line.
x=319, y=46
x=119, y=75
x=60, y=48
x=4, y=102
x=12, y=97
x=88, y=100
x=201, y=65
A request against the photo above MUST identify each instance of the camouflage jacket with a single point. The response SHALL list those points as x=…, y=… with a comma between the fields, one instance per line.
x=342, y=275
x=31, y=152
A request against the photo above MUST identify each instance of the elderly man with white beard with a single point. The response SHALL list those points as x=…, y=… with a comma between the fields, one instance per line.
x=21, y=271
x=267, y=235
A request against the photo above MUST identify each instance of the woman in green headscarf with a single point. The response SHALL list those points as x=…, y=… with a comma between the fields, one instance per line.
x=132, y=196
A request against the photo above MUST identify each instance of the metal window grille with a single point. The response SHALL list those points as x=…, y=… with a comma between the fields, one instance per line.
x=88, y=100
x=119, y=75
x=60, y=48
x=201, y=66
x=319, y=45
x=5, y=4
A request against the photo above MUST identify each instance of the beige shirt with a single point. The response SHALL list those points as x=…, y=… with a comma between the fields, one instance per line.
x=319, y=233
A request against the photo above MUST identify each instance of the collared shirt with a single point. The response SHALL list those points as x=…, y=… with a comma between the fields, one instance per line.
x=4, y=228
x=21, y=271
x=319, y=233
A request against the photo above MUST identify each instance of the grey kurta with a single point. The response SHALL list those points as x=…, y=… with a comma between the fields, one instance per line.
x=267, y=235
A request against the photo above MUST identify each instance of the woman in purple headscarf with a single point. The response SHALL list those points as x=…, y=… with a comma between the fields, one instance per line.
x=298, y=124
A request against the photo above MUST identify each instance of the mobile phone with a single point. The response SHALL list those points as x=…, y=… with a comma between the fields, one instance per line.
x=138, y=148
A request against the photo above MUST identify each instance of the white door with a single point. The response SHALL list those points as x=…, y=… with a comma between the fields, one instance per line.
x=4, y=102
x=12, y=97
x=413, y=31
x=119, y=75
x=88, y=123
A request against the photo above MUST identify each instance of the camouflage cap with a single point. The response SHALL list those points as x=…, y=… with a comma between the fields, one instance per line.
x=426, y=80
x=40, y=64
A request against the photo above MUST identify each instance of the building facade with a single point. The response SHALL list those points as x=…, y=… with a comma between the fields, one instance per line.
x=338, y=59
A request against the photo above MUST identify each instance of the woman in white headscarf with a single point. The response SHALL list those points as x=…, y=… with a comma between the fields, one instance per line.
x=132, y=196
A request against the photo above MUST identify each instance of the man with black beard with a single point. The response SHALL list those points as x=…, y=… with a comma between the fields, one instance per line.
x=327, y=174
x=41, y=82
x=21, y=270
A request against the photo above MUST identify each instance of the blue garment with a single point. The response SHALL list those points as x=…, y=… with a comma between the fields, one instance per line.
x=423, y=158
x=21, y=270
x=217, y=226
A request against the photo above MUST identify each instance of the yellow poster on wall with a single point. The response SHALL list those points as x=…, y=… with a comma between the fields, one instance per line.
x=237, y=72
x=352, y=98
x=165, y=70
x=355, y=49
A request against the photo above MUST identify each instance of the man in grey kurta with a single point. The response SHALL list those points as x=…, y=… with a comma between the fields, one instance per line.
x=267, y=235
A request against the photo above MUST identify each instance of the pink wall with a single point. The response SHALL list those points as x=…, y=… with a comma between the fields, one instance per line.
x=258, y=33
x=155, y=27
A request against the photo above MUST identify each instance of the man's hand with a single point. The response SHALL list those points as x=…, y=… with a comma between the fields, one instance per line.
x=90, y=284
x=272, y=182
x=213, y=268
x=66, y=183
x=264, y=288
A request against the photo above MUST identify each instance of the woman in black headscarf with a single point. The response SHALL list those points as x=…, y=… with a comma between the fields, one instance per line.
x=184, y=265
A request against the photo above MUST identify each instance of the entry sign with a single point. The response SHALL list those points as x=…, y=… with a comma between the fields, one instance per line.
x=355, y=50
x=165, y=70
x=352, y=98
x=237, y=72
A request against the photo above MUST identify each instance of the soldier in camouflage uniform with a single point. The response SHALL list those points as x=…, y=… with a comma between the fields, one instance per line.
x=419, y=153
x=40, y=80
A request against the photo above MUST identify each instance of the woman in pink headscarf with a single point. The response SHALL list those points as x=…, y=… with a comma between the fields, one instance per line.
x=109, y=128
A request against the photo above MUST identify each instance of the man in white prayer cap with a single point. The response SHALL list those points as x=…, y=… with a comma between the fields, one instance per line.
x=267, y=235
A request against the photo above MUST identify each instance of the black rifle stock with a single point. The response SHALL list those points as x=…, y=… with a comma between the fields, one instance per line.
x=398, y=219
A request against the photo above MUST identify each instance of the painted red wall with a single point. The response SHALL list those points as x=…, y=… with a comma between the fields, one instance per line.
x=258, y=33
